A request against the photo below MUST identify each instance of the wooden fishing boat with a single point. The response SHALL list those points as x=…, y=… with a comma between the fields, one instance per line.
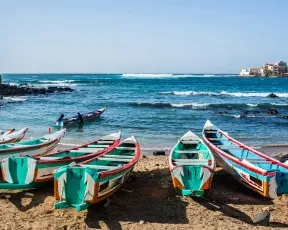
x=254, y=169
x=94, y=180
x=13, y=136
x=86, y=117
x=19, y=172
x=192, y=165
x=32, y=147
x=6, y=133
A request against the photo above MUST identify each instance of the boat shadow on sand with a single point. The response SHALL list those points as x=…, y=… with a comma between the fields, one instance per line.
x=24, y=200
x=147, y=197
x=226, y=194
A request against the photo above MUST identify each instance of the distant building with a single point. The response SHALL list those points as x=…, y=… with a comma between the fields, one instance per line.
x=280, y=68
x=269, y=67
x=255, y=71
x=245, y=72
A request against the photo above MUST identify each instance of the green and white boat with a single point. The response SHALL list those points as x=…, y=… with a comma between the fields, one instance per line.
x=11, y=137
x=37, y=146
x=95, y=180
x=20, y=172
x=192, y=165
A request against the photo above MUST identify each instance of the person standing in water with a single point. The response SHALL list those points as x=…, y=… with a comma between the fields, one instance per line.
x=80, y=118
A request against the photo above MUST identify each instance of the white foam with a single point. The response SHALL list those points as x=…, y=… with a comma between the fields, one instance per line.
x=190, y=105
x=252, y=105
x=19, y=98
x=233, y=94
x=57, y=82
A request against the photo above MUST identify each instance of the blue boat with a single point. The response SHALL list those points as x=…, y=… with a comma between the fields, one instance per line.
x=86, y=117
x=254, y=169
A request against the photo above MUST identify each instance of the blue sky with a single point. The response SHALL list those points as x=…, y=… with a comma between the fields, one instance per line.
x=141, y=36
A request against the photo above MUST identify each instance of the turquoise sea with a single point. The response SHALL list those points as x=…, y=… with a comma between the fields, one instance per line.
x=158, y=108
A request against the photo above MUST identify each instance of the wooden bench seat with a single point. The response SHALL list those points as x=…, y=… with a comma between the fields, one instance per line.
x=191, y=162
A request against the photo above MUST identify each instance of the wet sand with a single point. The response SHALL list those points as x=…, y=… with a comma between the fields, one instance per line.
x=147, y=201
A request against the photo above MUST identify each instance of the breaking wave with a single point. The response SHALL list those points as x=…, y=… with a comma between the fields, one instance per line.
x=168, y=105
x=236, y=106
x=222, y=93
x=19, y=98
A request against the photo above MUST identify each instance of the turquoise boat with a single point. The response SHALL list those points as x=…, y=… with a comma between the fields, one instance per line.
x=11, y=137
x=192, y=165
x=255, y=170
x=20, y=172
x=92, y=181
x=37, y=146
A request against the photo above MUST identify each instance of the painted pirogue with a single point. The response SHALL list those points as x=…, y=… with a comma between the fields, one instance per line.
x=19, y=172
x=36, y=146
x=191, y=165
x=85, y=116
x=94, y=180
x=255, y=170
x=11, y=137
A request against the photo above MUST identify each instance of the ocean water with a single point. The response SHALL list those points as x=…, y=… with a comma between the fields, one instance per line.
x=158, y=108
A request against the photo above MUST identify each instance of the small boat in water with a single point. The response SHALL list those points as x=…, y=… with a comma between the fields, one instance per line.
x=37, y=146
x=13, y=136
x=21, y=172
x=85, y=116
x=191, y=165
x=254, y=169
x=94, y=180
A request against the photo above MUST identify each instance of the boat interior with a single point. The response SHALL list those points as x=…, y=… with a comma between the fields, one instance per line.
x=240, y=152
x=117, y=158
x=80, y=151
x=191, y=153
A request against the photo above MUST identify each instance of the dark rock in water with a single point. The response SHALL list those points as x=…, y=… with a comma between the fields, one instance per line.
x=25, y=89
x=228, y=107
x=272, y=111
x=262, y=218
x=159, y=153
x=272, y=95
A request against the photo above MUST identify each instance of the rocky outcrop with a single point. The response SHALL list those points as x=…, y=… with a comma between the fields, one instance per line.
x=272, y=95
x=22, y=90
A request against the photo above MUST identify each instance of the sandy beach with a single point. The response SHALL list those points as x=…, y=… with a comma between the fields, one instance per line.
x=147, y=201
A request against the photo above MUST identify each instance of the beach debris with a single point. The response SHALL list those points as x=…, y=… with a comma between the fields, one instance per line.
x=144, y=156
x=141, y=222
x=262, y=218
x=159, y=153
x=272, y=95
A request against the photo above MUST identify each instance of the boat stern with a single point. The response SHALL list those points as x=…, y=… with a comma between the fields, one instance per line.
x=75, y=186
x=18, y=172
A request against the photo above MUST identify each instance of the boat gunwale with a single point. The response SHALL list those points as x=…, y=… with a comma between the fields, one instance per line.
x=235, y=159
x=94, y=154
x=115, y=171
